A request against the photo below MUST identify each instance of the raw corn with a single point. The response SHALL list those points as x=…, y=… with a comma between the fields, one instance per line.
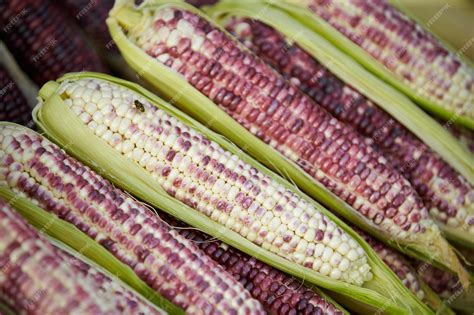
x=38, y=278
x=13, y=104
x=35, y=168
x=45, y=44
x=58, y=116
x=204, y=176
x=447, y=194
x=278, y=292
x=214, y=67
x=394, y=46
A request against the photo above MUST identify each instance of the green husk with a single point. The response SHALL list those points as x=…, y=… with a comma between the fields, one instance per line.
x=179, y=92
x=298, y=9
x=462, y=301
x=363, y=81
x=384, y=291
x=68, y=234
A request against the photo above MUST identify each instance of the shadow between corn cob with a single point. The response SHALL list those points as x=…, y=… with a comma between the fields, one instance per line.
x=39, y=278
x=138, y=21
x=181, y=146
x=91, y=17
x=33, y=167
x=447, y=194
x=395, y=48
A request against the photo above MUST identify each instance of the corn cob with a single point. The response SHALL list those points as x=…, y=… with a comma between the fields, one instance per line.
x=278, y=292
x=247, y=90
x=38, y=278
x=394, y=102
x=154, y=178
x=177, y=38
x=395, y=47
x=14, y=106
x=35, y=168
x=45, y=44
x=447, y=194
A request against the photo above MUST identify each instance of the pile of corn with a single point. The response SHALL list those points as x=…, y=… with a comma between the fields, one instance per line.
x=289, y=166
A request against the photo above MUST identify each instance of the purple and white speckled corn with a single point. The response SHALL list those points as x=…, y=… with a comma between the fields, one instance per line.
x=278, y=113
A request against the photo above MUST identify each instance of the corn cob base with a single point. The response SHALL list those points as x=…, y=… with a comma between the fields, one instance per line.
x=37, y=169
x=446, y=193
